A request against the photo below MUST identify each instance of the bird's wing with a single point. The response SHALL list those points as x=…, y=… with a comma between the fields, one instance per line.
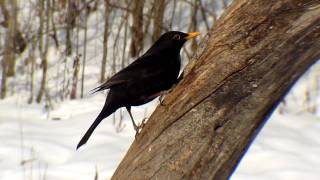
x=108, y=84
x=136, y=70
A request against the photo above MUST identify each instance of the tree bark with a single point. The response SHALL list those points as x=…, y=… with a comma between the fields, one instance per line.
x=43, y=51
x=255, y=52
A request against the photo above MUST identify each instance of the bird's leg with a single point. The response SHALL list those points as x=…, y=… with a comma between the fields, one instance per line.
x=134, y=124
x=143, y=122
x=137, y=128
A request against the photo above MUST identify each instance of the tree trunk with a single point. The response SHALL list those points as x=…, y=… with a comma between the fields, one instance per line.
x=3, y=89
x=194, y=23
x=32, y=61
x=5, y=13
x=54, y=33
x=9, y=59
x=76, y=67
x=124, y=58
x=105, y=40
x=8, y=54
x=43, y=51
x=70, y=23
x=256, y=51
x=12, y=28
x=17, y=42
x=137, y=28
x=84, y=49
x=159, y=8
x=3, y=80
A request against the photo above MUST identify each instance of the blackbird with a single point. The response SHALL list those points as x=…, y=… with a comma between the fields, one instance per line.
x=146, y=78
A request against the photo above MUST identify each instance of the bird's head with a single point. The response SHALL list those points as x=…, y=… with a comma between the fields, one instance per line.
x=173, y=40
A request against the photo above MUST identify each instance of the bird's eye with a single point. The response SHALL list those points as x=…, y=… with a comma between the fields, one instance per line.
x=176, y=37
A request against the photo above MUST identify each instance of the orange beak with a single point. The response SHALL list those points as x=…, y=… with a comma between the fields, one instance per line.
x=192, y=35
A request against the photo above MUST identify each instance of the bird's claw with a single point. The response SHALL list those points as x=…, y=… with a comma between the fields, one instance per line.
x=139, y=127
x=162, y=96
x=161, y=100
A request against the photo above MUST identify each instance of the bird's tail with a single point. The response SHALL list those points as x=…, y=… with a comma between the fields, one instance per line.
x=105, y=112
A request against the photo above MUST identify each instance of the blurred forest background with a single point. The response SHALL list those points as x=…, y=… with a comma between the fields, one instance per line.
x=48, y=46
x=50, y=49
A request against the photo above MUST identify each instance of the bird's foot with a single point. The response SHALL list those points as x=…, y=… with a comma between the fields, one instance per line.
x=162, y=95
x=139, y=127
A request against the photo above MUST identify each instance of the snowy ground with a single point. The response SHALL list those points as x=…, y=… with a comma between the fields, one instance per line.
x=33, y=146
x=286, y=149
x=47, y=147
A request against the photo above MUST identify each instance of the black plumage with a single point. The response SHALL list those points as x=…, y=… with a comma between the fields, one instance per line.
x=143, y=80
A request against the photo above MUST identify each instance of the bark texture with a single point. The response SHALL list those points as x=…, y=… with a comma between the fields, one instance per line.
x=255, y=52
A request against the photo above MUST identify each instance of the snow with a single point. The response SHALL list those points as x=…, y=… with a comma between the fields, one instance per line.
x=286, y=148
x=48, y=146
x=34, y=146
